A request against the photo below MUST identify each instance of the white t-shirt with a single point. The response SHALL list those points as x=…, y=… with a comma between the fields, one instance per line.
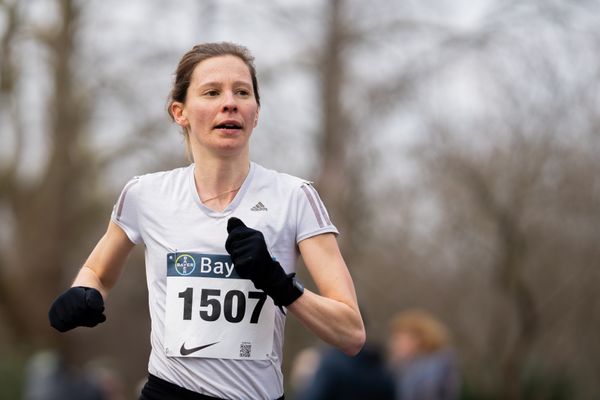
x=196, y=299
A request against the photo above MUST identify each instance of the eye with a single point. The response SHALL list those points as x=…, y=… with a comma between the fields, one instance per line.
x=243, y=92
x=211, y=93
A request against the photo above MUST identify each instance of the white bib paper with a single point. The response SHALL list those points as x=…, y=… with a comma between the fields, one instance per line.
x=212, y=312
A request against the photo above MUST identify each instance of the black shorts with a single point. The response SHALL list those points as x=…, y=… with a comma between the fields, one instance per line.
x=159, y=389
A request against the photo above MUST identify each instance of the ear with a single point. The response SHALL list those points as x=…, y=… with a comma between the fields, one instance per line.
x=179, y=114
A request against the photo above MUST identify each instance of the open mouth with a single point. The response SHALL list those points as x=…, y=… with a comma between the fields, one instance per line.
x=229, y=125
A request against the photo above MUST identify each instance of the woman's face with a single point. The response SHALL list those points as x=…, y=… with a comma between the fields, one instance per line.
x=404, y=345
x=220, y=110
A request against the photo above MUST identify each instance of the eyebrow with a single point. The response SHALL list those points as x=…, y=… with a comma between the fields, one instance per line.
x=219, y=84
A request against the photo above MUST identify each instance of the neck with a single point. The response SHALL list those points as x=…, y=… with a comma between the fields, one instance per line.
x=218, y=179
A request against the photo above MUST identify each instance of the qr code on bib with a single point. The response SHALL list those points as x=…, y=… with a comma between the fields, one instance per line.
x=245, y=349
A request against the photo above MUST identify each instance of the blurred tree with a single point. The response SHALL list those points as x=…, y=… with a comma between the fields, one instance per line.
x=42, y=208
x=499, y=183
x=53, y=204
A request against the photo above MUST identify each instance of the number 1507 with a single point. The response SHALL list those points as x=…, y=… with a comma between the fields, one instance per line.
x=232, y=305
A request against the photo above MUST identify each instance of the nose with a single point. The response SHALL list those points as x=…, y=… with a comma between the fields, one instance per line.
x=229, y=103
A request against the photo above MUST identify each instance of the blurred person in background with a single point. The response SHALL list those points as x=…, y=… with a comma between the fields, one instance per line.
x=221, y=239
x=49, y=378
x=107, y=377
x=329, y=374
x=338, y=376
x=422, y=361
x=304, y=367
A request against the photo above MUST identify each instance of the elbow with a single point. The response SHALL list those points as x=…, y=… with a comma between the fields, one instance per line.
x=355, y=342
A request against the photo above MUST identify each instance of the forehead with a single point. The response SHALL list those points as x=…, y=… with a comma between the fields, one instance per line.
x=221, y=69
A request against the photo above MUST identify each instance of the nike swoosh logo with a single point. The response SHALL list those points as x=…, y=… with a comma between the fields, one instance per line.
x=187, y=352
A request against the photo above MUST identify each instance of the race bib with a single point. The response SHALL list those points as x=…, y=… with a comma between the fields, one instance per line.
x=212, y=312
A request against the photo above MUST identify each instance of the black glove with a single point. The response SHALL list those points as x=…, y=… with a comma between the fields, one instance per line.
x=252, y=261
x=78, y=306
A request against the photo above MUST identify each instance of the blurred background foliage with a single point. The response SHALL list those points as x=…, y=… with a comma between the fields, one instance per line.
x=455, y=144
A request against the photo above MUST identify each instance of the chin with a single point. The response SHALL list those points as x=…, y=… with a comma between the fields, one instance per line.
x=232, y=149
x=224, y=146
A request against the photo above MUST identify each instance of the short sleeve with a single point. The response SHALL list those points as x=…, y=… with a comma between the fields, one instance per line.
x=125, y=211
x=312, y=217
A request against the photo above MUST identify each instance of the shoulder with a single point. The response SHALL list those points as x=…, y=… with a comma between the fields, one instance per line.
x=166, y=175
x=155, y=185
x=163, y=179
x=272, y=177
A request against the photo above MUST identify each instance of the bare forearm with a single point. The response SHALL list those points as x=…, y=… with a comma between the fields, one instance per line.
x=88, y=278
x=333, y=321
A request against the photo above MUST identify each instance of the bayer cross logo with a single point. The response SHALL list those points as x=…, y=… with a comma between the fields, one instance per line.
x=185, y=264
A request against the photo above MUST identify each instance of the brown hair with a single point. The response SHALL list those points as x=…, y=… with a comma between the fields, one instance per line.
x=431, y=333
x=199, y=53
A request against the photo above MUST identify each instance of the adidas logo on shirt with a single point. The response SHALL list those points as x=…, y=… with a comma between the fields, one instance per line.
x=259, y=207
